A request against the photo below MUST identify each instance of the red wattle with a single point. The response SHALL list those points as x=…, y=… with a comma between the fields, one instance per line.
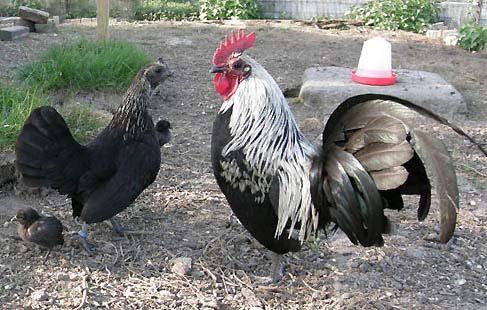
x=225, y=84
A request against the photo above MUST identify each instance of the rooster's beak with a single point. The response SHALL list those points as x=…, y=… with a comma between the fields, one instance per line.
x=216, y=69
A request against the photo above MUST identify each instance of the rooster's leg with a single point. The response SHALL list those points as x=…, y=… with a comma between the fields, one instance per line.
x=277, y=268
x=83, y=235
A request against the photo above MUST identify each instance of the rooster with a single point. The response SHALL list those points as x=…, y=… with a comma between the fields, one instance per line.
x=284, y=190
x=105, y=176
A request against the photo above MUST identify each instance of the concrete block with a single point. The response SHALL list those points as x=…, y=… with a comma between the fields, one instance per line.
x=55, y=20
x=438, y=26
x=8, y=20
x=13, y=33
x=451, y=32
x=59, y=19
x=324, y=88
x=50, y=27
x=25, y=23
x=36, y=16
x=450, y=40
x=434, y=34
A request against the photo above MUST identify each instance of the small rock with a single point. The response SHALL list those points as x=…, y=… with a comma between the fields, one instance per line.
x=364, y=267
x=346, y=295
x=460, y=282
x=166, y=293
x=181, y=265
x=415, y=252
x=23, y=249
x=39, y=295
x=397, y=285
x=198, y=273
x=472, y=203
x=5, y=225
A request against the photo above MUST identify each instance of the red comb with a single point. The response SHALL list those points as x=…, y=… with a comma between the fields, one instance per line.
x=239, y=42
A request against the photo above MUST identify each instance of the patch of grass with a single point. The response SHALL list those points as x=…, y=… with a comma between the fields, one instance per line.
x=166, y=10
x=85, y=65
x=83, y=122
x=409, y=15
x=17, y=103
x=15, y=106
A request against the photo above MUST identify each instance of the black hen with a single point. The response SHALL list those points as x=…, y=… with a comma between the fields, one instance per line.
x=105, y=176
x=41, y=230
x=283, y=189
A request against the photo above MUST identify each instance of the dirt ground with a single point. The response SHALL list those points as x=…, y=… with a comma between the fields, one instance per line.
x=183, y=214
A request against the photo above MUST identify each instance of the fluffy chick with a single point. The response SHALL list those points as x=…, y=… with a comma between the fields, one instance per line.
x=44, y=231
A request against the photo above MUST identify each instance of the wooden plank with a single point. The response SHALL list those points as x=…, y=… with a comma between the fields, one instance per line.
x=102, y=17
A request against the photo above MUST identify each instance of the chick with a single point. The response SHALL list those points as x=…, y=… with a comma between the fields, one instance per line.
x=42, y=230
x=163, y=132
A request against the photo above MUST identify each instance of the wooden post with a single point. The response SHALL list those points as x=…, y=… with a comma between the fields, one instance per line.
x=102, y=16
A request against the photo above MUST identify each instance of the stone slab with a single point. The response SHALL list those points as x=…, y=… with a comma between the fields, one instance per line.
x=36, y=16
x=25, y=23
x=50, y=27
x=8, y=20
x=324, y=88
x=13, y=33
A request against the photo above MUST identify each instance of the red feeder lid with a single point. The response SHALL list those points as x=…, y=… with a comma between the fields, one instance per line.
x=375, y=81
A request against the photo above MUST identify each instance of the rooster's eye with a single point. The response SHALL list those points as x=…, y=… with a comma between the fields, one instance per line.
x=238, y=65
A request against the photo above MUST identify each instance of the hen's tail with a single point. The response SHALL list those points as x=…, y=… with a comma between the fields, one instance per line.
x=46, y=153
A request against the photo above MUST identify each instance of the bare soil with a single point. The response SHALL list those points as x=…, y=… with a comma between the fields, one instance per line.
x=183, y=214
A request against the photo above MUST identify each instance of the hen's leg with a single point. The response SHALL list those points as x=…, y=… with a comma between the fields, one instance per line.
x=83, y=235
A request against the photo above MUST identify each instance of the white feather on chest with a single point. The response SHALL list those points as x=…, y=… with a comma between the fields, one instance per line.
x=264, y=129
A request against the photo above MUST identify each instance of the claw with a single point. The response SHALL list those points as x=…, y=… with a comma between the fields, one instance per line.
x=89, y=247
x=119, y=229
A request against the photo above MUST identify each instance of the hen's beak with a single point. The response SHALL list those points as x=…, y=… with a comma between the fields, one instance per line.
x=216, y=69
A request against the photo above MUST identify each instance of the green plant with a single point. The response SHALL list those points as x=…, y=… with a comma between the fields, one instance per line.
x=15, y=106
x=83, y=121
x=473, y=37
x=82, y=13
x=166, y=10
x=409, y=15
x=229, y=9
x=12, y=8
x=85, y=65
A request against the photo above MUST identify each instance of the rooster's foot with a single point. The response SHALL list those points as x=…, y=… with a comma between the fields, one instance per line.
x=277, y=271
